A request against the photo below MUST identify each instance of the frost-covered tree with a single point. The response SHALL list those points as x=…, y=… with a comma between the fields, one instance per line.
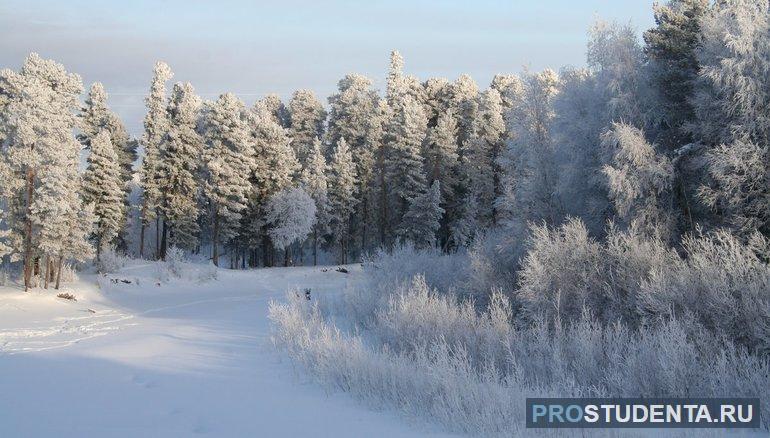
x=39, y=144
x=441, y=154
x=671, y=47
x=96, y=117
x=741, y=188
x=405, y=171
x=438, y=99
x=226, y=167
x=306, y=123
x=509, y=87
x=529, y=159
x=315, y=183
x=581, y=118
x=733, y=86
x=290, y=215
x=102, y=187
x=275, y=109
x=156, y=126
x=482, y=172
x=423, y=218
x=617, y=58
x=180, y=170
x=639, y=180
x=274, y=168
x=465, y=93
x=354, y=115
x=342, y=196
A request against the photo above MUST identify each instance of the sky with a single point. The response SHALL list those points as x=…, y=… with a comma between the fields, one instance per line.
x=253, y=48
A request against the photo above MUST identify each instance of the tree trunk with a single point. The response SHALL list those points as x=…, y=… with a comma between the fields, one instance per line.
x=58, y=271
x=315, y=246
x=157, y=236
x=164, y=242
x=47, y=270
x=28, y=231
x=286, y=256
x=141, y=239
x=215, y=240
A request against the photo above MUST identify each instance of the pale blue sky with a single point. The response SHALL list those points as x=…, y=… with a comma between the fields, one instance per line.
x=258, y=47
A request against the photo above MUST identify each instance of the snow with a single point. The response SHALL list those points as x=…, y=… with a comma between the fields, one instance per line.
x=181, y=358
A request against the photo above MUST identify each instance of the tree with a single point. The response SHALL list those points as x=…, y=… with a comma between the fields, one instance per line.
x=274, y=168
x=342, y=196
x=315, y=183
x=483, y=174
x=404, y=166
x=102, y=188
x=291, y=215
x=465, y=93
x=306, y=123
x=227, y=163
x=741, y=187
x=156, y=126
x=528, y=162
x=671, y=46
x=639, y=180
x=355, y=116
x=39, y=140
x=180, y=169
x=422, y=220
x=733, y=86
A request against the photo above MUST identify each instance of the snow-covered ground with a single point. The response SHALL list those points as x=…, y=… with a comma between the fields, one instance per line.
x=181, y=358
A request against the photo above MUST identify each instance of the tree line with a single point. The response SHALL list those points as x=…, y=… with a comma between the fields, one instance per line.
x=667, y=136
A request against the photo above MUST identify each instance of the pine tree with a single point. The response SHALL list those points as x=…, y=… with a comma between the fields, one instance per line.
x=354, y=116
x=156, y=126
x=275, y=109
x=465, y=105
x=306, y=123
x=227, y=163
x=315, y=183
x=423, y=218
x=342, y=196
x=102, y=188
x=96, y=117
x=671, y=45
x=38, y=142
x=180, y=170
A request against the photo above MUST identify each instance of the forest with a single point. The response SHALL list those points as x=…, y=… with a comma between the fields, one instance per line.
x=587, y=231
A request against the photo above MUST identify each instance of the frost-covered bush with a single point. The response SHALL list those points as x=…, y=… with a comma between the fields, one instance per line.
x=565, y=271
x=69, y=273
x=723, y=282
x=472, y=372
x=111, y=261
x=175, y=258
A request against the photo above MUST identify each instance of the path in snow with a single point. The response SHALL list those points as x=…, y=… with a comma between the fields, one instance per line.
x=180, y=359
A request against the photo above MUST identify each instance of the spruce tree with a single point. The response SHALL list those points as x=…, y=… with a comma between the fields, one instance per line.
x=156, y=126
x=180, y=170
x=423, y=218
x=342, y=196
x=227, y=163
x=404, y=166
x=102, y=188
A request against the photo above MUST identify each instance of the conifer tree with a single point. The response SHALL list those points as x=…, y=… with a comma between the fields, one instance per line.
x=306, y=123
x=315, y=183
x=404, y=166
x=227, y=163
x=39, y=144
x=180, y=170
x=156, y=126
x=102, y=188
x=423, y=218
x=671, y=46
x=342, y=196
